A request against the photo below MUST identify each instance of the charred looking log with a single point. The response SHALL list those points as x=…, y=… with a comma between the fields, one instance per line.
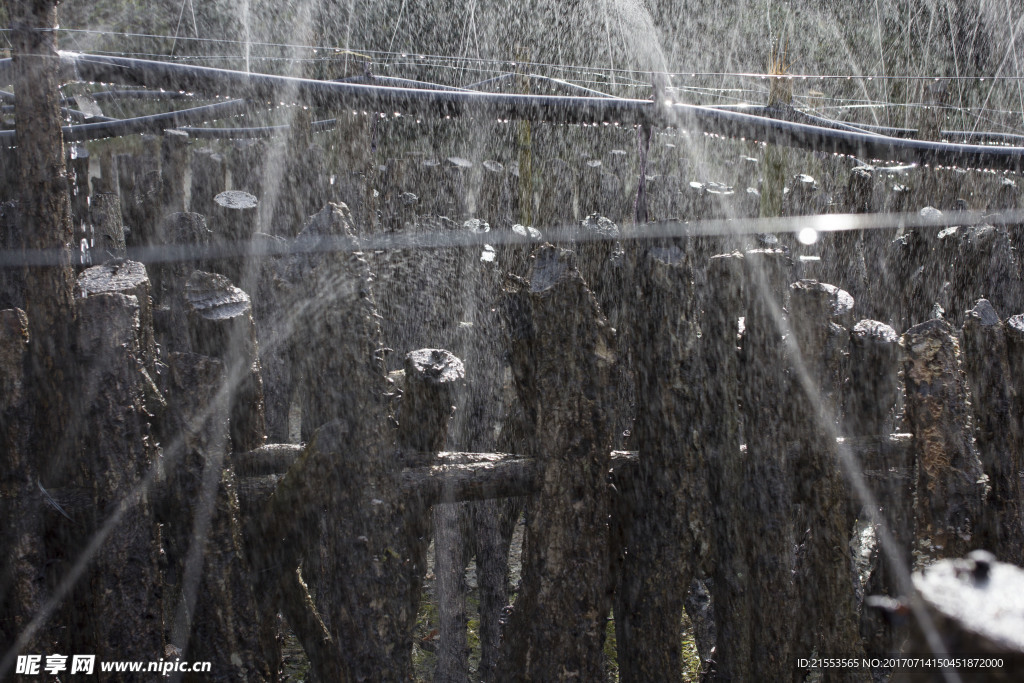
x=951, y=485
x=21, y=587
x=998, y=437
x=557, y=623
x=825, y=583
x=213, y=613
x=666, y=541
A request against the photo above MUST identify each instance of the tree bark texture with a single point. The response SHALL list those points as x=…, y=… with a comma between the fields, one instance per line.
x=556, y=629
x=951, y=485
x=997, y=431
x=123, y=607
x=667, y=534
x=825, y=581
x=215, y=612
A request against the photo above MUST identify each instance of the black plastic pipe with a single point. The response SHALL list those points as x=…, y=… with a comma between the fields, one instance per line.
x=270, y=88
x=143, y=124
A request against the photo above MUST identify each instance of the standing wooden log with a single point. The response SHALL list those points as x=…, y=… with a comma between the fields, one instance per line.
x=173, y=164
x=129, y=278
x=22, y=591
x=728, y=465
x=107, y=240
x=246, y=164
x=998, y=439
x=350, y=470
x=209, y=179
x=124, y=616
x=12, y=277
x=951, y=484
x=221, y=325
x=140, y=193
x=825, y=582
x=215, y=611
x=46, y=214
x=767, y=488
x=431, y=375
x=234, y=221
x=969, y=602
x=555, y=631
x=873, y=391
x=665, y=536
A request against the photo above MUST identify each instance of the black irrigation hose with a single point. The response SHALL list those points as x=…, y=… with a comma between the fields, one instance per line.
x=251, y=132
x=952, y=135
x=736, y=124
x=142, y=124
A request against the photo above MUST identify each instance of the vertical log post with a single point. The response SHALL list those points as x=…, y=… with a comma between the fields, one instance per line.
x=998, y=437
x=124, y=615
x=767, y=487
x=348, y=475
x=234, y=219
x=209, y=179
x=555, y=631
x=666, y=533
x=173, y=163
x=129, y=278
x=45, y=220
x=431, y=377
x=728, y=470
x=21, y=588
x=215, y=613
x=825, y=584
x=951, y=485
x=107, y=241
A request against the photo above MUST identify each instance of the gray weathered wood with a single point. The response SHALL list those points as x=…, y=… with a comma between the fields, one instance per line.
x=951, y=485
x=107, y=241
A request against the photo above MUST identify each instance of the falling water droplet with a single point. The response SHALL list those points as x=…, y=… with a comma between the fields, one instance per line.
x=807, y=236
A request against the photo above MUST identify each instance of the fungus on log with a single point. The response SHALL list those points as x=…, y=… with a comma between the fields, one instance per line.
x=220, y=325
x=951, y=485
x=556, y=627
x=975, y=605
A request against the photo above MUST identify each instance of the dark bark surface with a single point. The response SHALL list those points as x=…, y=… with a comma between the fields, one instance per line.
x=214, y=612
x=122, y=602
x=556, y=628
x=825, y=581
x=951, y=485
x=21, y=534
x=998, y=438
x=666, y=535
x=768, y=477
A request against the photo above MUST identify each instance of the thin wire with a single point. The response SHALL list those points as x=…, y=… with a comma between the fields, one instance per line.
x=692, y=74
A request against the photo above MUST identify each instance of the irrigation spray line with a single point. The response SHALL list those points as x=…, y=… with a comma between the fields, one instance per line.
x=555, y=109
x=808, y=227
